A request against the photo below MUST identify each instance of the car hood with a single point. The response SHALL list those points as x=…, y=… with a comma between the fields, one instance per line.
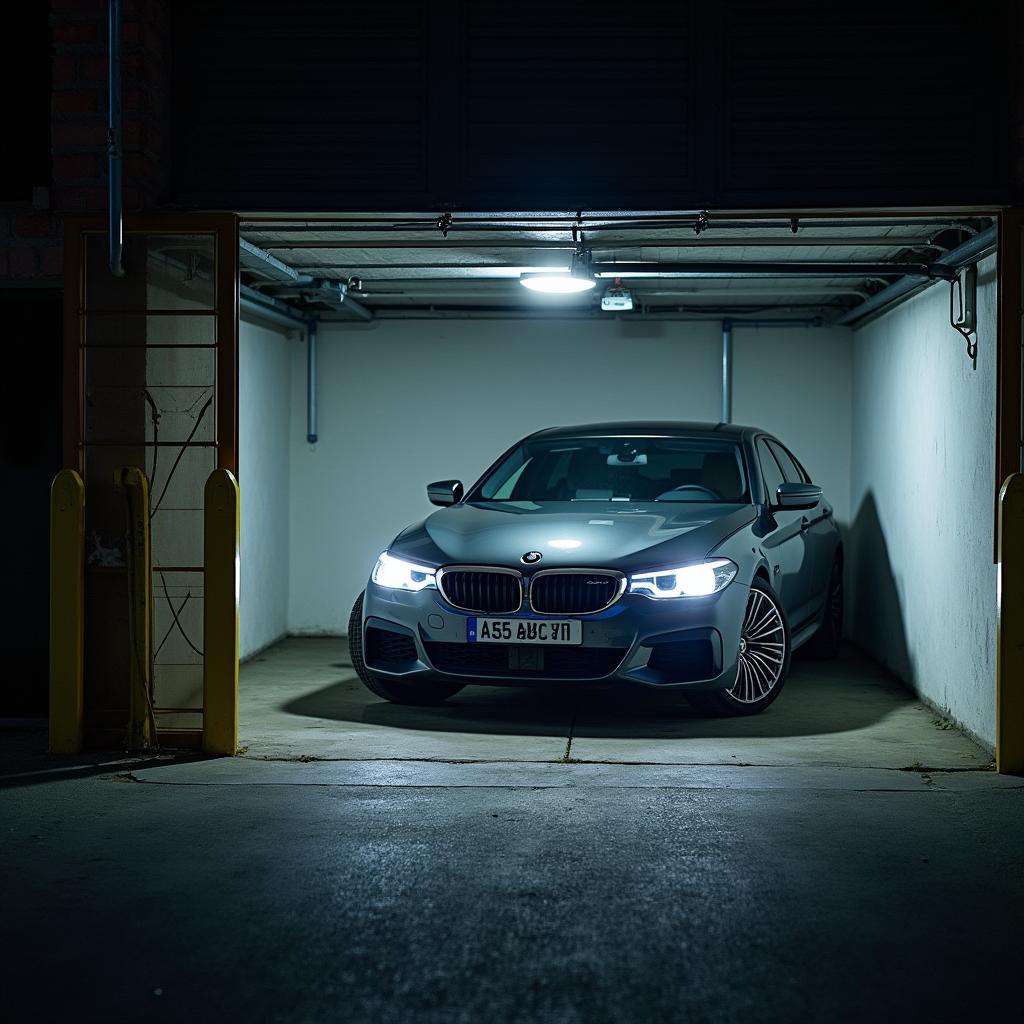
x=622, y=535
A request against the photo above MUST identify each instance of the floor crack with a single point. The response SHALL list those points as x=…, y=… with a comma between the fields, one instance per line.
x=567, y=757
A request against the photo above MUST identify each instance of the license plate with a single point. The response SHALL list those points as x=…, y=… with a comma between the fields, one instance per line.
x=524, y=631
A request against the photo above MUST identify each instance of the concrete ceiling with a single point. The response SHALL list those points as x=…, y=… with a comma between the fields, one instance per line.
x=412, y=265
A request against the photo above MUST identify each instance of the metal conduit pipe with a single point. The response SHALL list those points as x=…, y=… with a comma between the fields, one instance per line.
x=270, y=309
x=970, y=252
x=290, y=281
x=311, y=381
x=739, y=269
x=806, y=321
x=727, y=371
x=566, y=245
x=115, y=198
x=337, y=292
x=594, y=222
x=727, y=326
x=938, y=270
x=333, y=292
x=712, y=315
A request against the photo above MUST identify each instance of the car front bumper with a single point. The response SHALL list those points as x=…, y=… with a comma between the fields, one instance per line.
x=685, y=643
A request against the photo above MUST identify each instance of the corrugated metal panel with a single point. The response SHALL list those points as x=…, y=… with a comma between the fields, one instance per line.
x=579, y=103
x=281, y=101
x=877, y=98
x=398, y=104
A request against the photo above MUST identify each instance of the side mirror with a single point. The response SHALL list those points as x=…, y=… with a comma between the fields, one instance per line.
x=445, y=492
x=797, y=496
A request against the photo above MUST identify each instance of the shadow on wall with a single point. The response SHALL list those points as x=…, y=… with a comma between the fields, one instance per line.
x=876, y=620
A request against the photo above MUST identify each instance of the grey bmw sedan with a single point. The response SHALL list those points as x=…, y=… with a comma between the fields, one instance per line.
x=691, y=557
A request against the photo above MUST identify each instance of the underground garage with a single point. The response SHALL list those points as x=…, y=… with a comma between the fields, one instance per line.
x=528, y=522
x=761, y=325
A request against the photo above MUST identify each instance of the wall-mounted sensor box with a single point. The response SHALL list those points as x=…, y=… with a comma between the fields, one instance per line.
x=616, y=299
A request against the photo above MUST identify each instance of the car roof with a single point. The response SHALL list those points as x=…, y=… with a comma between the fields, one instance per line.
x=650, y=428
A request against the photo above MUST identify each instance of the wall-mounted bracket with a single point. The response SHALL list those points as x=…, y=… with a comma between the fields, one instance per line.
x=963, y=317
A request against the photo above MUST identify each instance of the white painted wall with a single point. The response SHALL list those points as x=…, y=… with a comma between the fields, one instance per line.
x=795, y=383
x=264, y=482
x=922, y=472
x=406, y=402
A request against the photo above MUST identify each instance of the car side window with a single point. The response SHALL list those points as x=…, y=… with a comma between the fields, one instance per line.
x=770, y=472
x=790, y=469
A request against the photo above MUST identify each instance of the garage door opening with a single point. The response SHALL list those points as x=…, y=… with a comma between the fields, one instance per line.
x=379, y=353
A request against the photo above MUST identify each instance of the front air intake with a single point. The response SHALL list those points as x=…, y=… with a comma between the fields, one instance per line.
x=483, y=590
x=388, y=650
x=575, y=592
x=524, y=661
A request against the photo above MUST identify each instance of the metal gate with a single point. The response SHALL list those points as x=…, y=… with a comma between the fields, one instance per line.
x=150, y=382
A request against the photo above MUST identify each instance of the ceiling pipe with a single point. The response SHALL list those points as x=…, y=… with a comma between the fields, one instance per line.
x=599, y=222
x=970, y=252
x=712, y=315
x=527, y=244
x=326, y=290
x=274, y=265
x=115, y=198
x=282, y=314
x=270, y=308
x=727, y=326
x=335, y=291
x=747, y=269
x=733, y=269
x=727, y=371
x=311, y=367
x=286, y=279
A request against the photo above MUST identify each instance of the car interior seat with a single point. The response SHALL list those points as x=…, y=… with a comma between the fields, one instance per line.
x=721, y=473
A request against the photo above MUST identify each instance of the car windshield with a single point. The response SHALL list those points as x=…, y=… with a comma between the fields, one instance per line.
x=690, y=469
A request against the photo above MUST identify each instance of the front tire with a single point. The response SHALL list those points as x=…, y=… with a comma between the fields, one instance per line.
x=763, y=662
x=422, y=694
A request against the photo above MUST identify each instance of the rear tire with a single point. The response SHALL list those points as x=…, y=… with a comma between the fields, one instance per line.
x=828, y=639
x=421, y=694
x=763, y=659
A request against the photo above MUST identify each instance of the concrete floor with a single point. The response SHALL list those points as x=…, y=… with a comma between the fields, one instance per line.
x=301, y=699
x=781, y=869
x=398, y=892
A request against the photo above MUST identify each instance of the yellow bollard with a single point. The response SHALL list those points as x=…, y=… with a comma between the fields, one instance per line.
x=138, y=546
x=67, y=610
x=220, y=614
x=1010, y=629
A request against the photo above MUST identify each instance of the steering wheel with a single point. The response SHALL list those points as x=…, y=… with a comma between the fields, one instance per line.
x=713, y=495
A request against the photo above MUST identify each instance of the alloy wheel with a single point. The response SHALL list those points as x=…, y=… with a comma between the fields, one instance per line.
x=762, y=649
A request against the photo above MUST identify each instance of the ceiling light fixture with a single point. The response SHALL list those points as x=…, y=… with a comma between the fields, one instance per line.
x=558, y=282
x=555, y=283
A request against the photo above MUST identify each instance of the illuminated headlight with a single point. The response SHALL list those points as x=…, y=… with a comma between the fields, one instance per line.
x=398, y=574
x=687, y=581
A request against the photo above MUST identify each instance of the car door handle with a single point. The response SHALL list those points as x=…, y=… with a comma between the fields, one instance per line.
x=805, y=524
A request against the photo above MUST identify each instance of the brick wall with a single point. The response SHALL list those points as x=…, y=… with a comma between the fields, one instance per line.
x=31, y=235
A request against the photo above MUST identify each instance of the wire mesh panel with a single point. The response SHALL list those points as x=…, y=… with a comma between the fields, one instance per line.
x=147, y=391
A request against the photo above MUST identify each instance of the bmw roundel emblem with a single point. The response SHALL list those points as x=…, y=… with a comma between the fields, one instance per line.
x=531, y=556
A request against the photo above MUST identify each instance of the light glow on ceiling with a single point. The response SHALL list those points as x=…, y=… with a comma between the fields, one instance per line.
x=556, y=283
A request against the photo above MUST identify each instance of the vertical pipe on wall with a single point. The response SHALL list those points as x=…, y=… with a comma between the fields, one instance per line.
x=726, y=371
x=115, y=198
x=311, y=381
